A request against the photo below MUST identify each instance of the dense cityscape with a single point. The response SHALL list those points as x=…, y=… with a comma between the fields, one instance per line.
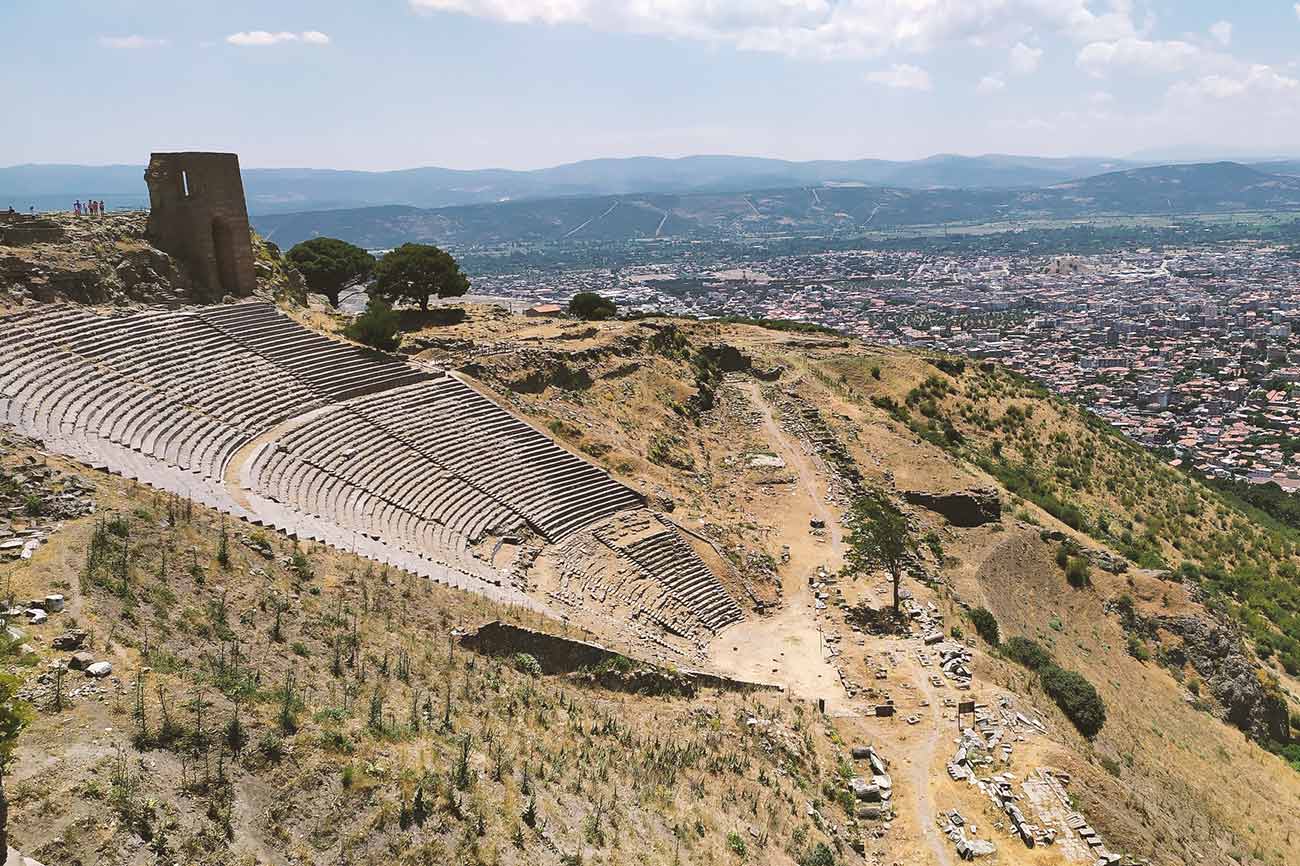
x=1193, y=350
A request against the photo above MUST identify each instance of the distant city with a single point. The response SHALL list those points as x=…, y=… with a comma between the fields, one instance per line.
x=1192, y=350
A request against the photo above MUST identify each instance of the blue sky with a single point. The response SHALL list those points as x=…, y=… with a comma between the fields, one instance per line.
x=379, y=84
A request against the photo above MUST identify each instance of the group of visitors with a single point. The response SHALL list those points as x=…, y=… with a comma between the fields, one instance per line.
x=90, y=208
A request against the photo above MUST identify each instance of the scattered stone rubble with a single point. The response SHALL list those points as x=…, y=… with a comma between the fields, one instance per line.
x=1038, y=815
x=34, y=499
x=804, y=420
x=954, y=826
x=874, y=793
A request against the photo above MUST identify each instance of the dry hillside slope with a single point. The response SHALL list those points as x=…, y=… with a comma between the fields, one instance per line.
x=278, y=701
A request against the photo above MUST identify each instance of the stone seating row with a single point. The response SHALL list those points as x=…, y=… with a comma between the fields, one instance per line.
x=669, y=558
x=163, y=383
x=473, y=438
x=334, y=369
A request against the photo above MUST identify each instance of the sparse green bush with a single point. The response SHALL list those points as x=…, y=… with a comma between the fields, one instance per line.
x=1078, y=573
x=818, y=855
x=377, y=327
x=736, y=843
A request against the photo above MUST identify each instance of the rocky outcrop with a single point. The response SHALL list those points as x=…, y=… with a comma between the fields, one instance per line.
x=974, y=507
x=1220, y=658
x=108, y=260
x=726, y=358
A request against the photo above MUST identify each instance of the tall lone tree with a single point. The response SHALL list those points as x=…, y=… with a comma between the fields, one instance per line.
x=413, y=272
x=879, y=538
x=330, y=265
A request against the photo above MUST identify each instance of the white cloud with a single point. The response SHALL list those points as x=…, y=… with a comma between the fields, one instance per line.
x=902, y=76
x=1297, y=10
x=1099, y=58
x=990, y=84
x=1256, y=79
x=816, y=28
x=132, y=41
x=1222, y=32
x=1024, y=59
x=1100, y=97
x=263, y=38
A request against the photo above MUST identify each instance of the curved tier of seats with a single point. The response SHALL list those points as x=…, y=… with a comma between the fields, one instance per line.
x=357, y=449
x=332, y=368
x=435, y=457
x=668, y=557
x=496, y=453
x=164, y=384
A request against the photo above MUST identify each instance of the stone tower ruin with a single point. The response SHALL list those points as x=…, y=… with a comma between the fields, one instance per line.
x=197, y=214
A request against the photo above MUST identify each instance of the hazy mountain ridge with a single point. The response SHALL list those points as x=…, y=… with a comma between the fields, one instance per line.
x=850, y=209
x=277, y=190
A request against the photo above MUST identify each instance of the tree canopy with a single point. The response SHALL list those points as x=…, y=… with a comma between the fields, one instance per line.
x=589, y=305
x=329, y=265
x=413, y=272
x=879, y=538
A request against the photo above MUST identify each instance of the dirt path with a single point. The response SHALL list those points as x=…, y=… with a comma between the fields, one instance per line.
x=787, y=647
x=928, y=757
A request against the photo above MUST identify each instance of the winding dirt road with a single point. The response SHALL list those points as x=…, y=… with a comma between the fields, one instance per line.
x=787, y=646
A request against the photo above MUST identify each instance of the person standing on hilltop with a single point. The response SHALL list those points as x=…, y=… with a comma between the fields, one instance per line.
x=76, y=208
x=101, y=207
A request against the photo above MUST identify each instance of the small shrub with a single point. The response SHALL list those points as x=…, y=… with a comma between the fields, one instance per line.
x=272, y=746
x=377, y=327
x=986, y=625
x=818, y=855
x=526, y=663
x=1027, y=652
x=736, y=843
x=1078, y=573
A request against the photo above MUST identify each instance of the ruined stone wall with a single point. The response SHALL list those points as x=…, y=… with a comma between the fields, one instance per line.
x=198, y=214
x=561, y=655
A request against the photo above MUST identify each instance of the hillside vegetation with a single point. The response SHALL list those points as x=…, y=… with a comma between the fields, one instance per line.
x=272, y=702
x=277, y=702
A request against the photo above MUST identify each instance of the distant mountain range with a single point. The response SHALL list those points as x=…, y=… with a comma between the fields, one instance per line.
x=280, y=190
x=693, y=197
x=812, y=210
